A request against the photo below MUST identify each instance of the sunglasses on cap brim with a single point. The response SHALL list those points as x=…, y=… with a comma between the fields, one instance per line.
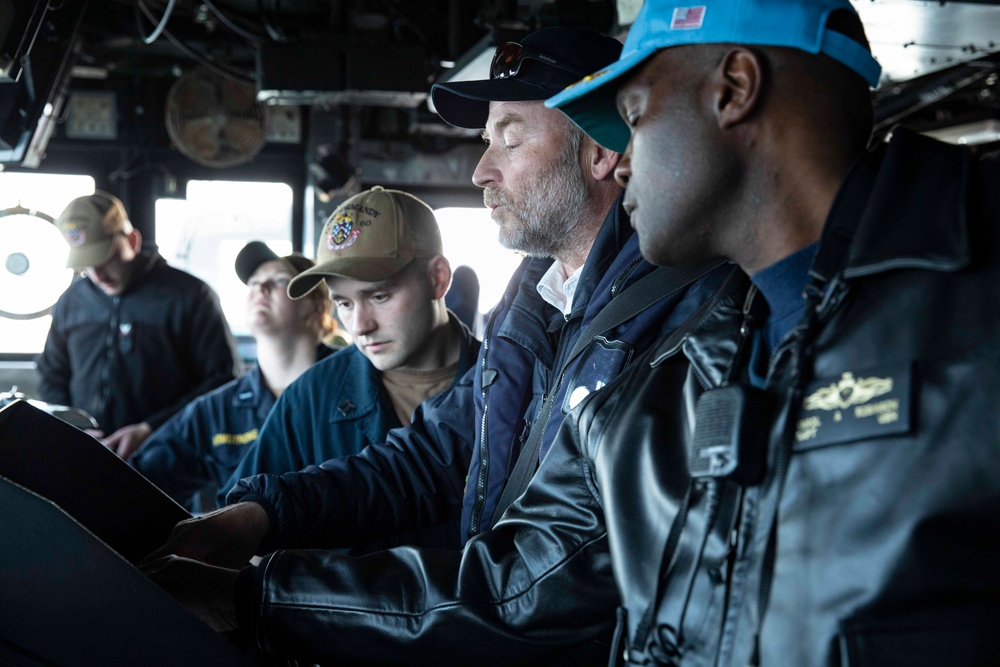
x=509, y=57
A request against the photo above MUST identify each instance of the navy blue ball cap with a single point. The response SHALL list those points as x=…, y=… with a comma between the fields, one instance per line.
x=256, y=253
x=535, y=68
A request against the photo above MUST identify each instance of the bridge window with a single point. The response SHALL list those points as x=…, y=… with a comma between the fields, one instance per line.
x=470, y=238
x=203, y=234
x=32, y=257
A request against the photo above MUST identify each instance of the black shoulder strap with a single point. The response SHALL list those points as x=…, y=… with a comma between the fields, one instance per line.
x=648, y=290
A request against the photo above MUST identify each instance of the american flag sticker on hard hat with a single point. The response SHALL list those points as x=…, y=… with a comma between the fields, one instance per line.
x=687, y=18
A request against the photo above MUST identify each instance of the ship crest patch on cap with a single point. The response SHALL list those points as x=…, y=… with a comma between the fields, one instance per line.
x=75, y=236
x=342, y=233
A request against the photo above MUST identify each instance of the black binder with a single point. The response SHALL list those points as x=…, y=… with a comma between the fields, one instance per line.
x=67, y=599
x=89, y=482
x=74, y=520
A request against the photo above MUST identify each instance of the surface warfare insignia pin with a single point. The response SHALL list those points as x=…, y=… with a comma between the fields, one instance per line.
x=342, y=233
x=855, y=406
x=847, y=392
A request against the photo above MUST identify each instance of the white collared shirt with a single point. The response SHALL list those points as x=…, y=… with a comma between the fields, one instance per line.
x=556, y=291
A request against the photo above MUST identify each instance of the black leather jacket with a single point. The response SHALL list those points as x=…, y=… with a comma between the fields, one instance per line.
x=887, y=539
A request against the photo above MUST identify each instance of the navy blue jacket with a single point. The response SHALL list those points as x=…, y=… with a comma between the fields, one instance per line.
x=203, y=444
x=527, y=341
x=337, y=408
x=417, y=477
x=333, y=409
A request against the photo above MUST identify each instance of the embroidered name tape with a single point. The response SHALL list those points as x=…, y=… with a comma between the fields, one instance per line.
x=856, y=405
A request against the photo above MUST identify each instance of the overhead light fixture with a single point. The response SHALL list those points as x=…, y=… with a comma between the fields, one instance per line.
x=89, y=72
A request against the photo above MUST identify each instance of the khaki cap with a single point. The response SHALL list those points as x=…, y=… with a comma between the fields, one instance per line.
x=90, y=224
x=371, y=237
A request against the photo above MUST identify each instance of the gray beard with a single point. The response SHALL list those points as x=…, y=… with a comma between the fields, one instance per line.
x=545, y=221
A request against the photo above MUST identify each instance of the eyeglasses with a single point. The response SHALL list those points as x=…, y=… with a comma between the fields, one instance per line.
x=279, y=283
x=509, y=57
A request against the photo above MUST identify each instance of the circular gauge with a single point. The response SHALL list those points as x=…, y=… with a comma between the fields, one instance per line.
x=33, y=271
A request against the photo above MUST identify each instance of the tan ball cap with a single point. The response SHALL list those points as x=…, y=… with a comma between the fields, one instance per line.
x=90, y=224
x=371, y=237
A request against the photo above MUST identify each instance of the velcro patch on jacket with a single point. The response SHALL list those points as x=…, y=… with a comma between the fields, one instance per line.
x=599, y=364
x=856, y=405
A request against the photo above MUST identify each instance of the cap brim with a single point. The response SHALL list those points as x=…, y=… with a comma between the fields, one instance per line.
x=92, y=254
x=592, y=104
x=303, y=283
x=467, y=103
x=366, y=269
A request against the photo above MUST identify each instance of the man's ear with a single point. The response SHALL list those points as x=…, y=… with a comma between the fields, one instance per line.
x=134, y=239
x=438, y=276
x=737, y=86
x=599, y=160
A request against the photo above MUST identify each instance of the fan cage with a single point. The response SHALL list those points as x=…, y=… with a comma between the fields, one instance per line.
x=215, y=121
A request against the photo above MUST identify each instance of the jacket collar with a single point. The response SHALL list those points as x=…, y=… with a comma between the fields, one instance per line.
x=359, y=385
x=523, y=317
x=918, y=179
x=615, y=231
x=712, y=346
x=251, y=390
x=149, y=262
x=469, y=350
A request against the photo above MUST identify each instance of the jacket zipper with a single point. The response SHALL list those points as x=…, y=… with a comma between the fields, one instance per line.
x=833, y=296
x=620, y=278
x=109, y=359
x=477, y=507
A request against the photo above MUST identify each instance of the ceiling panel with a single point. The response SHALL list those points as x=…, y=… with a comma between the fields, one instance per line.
x=911, y=38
